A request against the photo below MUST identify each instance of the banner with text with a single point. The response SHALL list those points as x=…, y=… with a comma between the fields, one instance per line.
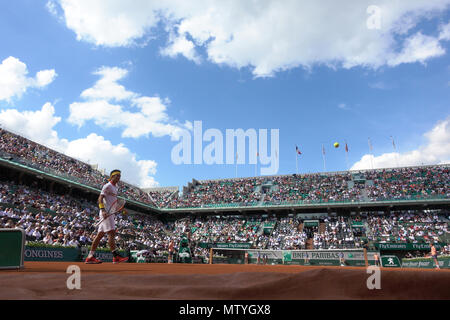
x=407, y=246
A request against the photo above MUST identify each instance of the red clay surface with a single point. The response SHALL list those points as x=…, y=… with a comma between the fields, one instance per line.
x=47, y=280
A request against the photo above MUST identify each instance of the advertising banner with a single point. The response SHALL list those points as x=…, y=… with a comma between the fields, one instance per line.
x=36, y=253
x=407, y=246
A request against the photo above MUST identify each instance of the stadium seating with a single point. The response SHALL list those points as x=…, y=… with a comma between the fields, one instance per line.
x=68, y=220
x=427, y=182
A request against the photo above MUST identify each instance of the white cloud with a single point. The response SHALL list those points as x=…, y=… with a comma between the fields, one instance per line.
x=35, y=125
x=435, y=151
x=44, y=78
x=51, y=7
x=14, y=80
x=110, y=23
x=269, y=35
x=379, y=85
x=445, y=32
x=39, y=125
x=107, y=87
x=418, y=48
x=343, y=106
x=179, y=45
x=151, y=117
x=109, y=156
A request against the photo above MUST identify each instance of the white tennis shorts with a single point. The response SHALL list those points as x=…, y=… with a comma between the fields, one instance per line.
x=107, y=224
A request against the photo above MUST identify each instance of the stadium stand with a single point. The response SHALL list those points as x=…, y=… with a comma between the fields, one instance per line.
x=61, y=217
x=24, y=151
x=415, y=183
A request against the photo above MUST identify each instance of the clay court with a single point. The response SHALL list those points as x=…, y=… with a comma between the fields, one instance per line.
x=47, y=280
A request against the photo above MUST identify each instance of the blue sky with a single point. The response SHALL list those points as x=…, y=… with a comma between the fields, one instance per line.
x=119, y=92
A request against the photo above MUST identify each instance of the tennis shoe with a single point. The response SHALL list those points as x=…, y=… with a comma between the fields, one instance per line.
x=92, y=260
x=119, y=259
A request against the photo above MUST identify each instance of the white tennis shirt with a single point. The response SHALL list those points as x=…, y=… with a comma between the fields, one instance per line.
x=109, y=191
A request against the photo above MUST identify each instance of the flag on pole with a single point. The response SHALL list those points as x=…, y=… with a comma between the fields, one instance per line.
x=323, y=150
x=346, y=155
x=393, y=143
x=298, y=151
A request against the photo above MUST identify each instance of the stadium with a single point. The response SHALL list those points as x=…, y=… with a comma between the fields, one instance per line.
x=276, y=232
x=224, y=158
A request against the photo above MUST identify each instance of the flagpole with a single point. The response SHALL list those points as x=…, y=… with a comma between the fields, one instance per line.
x=296, y=162
x=256, y=164
x=346, y=156
x=323, y=156
x=395, y=151
x=370, y=149
x=236, y=163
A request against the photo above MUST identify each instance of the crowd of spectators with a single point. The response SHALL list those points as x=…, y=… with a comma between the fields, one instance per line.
x=287, y=235
x=407, y=227
x=372, y=185
x=407, y=183
x=397, y=183
x=313, y=187
x=338, y=234
x=25, y=151
x=241, y=191
x=223, y=229
x=160, y=199
x=61, y=219
x=36, y=155
x=65, y=220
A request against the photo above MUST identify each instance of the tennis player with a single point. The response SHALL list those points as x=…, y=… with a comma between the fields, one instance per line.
x=434, y=255
x=107, y=226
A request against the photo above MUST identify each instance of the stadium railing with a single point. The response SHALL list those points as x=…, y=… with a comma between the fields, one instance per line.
x=313, y=202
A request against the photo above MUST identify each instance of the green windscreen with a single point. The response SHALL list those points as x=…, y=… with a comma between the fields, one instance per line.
x=11, y=248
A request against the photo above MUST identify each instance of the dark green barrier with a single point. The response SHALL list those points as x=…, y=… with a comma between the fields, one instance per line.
x=49, y=253
x=12, y=243
x=426, y=263
x=311, y=262
x=407, y=246
x=311, y=257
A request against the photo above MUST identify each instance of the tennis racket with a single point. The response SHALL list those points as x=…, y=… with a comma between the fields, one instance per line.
x=115, y=207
